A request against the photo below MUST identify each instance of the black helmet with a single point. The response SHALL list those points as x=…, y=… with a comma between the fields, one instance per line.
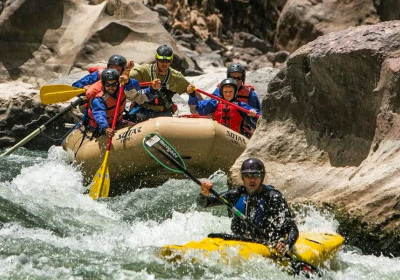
x=164, y=52
x=228, y=81
x=236, y=67
x=252, y=165
x=109, y=74
x=117, y=60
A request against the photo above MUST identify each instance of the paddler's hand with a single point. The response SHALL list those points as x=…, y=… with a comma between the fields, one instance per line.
x=252, y=113
x=281, y=248
x=128, y=68
x=190, y=89
x=206, y=186
x=109, y=132
x=123, y=79
x=156, y=85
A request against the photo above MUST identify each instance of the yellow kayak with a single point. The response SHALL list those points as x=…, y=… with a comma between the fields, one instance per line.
x=313, y=248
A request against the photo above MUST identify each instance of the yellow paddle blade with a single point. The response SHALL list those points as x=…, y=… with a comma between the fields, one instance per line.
x=50, y=94
x=101, y=180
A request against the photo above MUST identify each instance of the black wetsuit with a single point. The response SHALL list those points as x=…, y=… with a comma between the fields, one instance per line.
x=268, y=210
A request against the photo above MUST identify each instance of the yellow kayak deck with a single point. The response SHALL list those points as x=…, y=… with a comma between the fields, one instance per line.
x=311, y=247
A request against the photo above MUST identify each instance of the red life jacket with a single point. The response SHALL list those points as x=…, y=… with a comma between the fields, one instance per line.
x=228, y=116
x=111, y=102
x=243, y=94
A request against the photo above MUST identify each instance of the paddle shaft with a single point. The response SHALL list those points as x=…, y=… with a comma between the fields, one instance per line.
x=114, y=122
x=43, y=126
x=224, y=101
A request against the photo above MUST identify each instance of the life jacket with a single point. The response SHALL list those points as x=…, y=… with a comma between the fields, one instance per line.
x=111, y=103
x=163, y=100
x=228, y=116
x=94, y=90
x=243, y=94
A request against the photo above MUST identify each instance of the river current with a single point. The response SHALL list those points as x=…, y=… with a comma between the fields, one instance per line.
x=51, y=229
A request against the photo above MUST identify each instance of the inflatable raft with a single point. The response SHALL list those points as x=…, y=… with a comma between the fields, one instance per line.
x=313, y=248
x=205, y=145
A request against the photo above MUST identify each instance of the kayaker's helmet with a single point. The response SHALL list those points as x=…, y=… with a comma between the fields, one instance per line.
x=109, y=74
x=164, y=52
x=226, y=82
x=253, y=166
x=117, y=60
x=236, y=67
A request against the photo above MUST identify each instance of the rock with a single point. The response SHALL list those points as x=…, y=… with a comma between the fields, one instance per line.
x=330, y=127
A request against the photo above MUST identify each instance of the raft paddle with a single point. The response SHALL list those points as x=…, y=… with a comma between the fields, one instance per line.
x=155, y=144
x=101, y=180
x=77, y=102
x=50, y=94
x=224, y=101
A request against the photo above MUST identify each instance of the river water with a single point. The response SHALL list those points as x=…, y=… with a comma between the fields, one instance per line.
x=51, y=229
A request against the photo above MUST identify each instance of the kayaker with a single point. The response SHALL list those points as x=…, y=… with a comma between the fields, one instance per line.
x=224, y=113
x=264, y=205
x=246, y=93
x=166, y=82
x=102, y=107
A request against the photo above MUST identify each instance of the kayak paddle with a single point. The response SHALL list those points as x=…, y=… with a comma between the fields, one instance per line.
x=101, y=180
x=156, y=146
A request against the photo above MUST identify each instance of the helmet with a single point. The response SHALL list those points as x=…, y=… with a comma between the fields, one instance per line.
x=228, y=81
x=117, y=60
x=252, y=165
x=109, y=74
x=164, y=52
x=236, y=67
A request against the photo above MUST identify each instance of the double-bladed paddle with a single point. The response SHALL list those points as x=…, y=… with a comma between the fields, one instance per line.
x=159, y=148
x=101, y=181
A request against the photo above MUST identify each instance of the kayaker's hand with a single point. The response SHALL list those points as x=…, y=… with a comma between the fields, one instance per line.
x=109, y=132
x=281, y=248
x=206, y=186
x=156, y=84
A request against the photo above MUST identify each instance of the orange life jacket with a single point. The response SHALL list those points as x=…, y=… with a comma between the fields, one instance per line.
x=228, y=116
x=111, y=102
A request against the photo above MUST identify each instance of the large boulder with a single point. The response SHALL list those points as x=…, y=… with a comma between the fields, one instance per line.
x=302, y=21
x=329, y=133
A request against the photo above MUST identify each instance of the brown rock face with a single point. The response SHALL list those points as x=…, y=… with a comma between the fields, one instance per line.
x=302, y=21
x=331, y=125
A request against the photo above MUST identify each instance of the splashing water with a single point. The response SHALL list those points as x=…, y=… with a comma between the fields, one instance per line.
x=51, y=229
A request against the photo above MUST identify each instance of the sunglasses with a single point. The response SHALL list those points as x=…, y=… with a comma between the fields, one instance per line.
x=111, y=85
x=253, y=175
x=164, y=61
x=238, y=78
